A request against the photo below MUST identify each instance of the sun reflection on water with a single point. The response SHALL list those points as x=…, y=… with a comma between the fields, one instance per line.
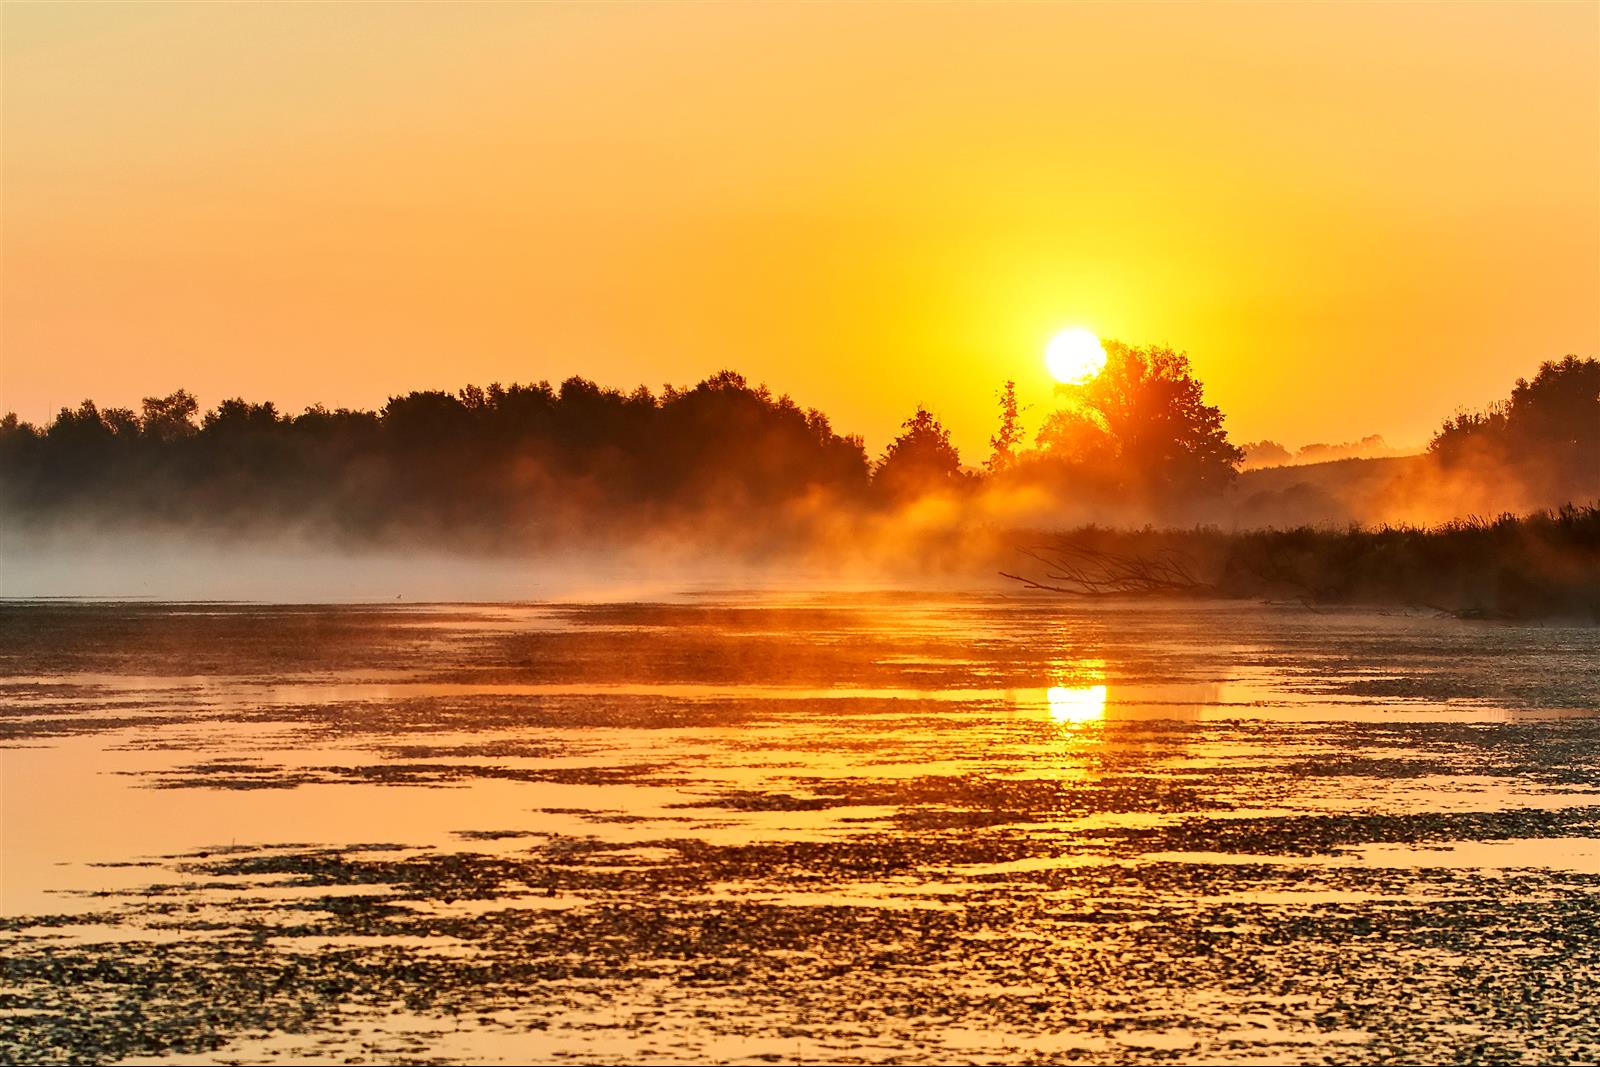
x=1085, y=704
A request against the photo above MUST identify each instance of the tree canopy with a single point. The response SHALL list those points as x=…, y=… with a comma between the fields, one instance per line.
x=496, y=457
x=1144, y=422
x=535, y=458
x=920, y=460
x=526, y=460
x=1556, y=416
x=1546, y=434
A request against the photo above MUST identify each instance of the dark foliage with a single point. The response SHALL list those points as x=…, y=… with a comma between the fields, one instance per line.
x=1142, y=425
x=920, y=460
x=1008, y=437
x=519, y=460
x=1548, y=430
x=722, y=462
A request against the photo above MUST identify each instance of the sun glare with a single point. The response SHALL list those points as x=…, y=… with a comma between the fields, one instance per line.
x=1074, y=356
x=1076, y=705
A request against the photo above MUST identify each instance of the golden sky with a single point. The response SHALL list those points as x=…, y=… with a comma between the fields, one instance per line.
x=1355, y=218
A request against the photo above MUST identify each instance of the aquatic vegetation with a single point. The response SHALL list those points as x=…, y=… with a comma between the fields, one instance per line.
x=593, y=833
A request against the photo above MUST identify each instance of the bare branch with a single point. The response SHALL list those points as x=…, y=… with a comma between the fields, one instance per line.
x=1079, y=570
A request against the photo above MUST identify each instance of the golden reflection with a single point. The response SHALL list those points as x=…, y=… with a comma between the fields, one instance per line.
x=1085, y=704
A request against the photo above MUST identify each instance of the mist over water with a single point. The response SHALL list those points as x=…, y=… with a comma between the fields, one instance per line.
x=526, y=491
x=193, y=569
x=941, y=540
x=170, y=565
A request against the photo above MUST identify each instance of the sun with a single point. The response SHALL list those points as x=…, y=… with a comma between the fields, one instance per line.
x=1074, y=356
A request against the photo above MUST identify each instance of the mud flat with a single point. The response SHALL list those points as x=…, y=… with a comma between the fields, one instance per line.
x=750, y=828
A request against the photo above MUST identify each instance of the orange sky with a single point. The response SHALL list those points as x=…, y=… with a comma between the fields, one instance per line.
x=1354, y=217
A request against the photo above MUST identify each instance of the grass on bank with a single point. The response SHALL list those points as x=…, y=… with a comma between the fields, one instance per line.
x=1542, y=565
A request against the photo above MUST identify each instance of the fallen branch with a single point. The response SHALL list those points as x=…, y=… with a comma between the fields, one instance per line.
x=1078, y=570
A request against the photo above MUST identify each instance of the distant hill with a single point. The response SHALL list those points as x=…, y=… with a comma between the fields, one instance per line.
x=1259, y=454
x=1338, y=475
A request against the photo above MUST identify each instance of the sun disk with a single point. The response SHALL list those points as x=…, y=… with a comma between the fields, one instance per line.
x=1075, y=356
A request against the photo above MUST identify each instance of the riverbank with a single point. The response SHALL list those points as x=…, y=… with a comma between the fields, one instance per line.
x=1543, y=565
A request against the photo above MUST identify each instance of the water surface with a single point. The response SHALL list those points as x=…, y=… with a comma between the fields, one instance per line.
x=890, y=828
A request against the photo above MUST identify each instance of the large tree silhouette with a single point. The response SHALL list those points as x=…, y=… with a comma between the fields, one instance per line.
x=1143, y=420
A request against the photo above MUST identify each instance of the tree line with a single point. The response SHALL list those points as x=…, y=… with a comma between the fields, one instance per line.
x=579, y=459
x=1547, y=431
x=524, y=455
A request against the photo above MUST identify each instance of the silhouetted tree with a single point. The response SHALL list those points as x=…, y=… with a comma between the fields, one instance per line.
x=920, y=459
x=168, y=418
x=1004, y=443
x=498, y=460
x=1145, y=417
x=726, y=444
x=1546, y=436
x=1073, y=436
x=1265, y=454
x=507, y=461
x=1555, y=418
x=1370, y=446
x=237, y=417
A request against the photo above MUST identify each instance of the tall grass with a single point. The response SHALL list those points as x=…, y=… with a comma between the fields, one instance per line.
x=1542, y=565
